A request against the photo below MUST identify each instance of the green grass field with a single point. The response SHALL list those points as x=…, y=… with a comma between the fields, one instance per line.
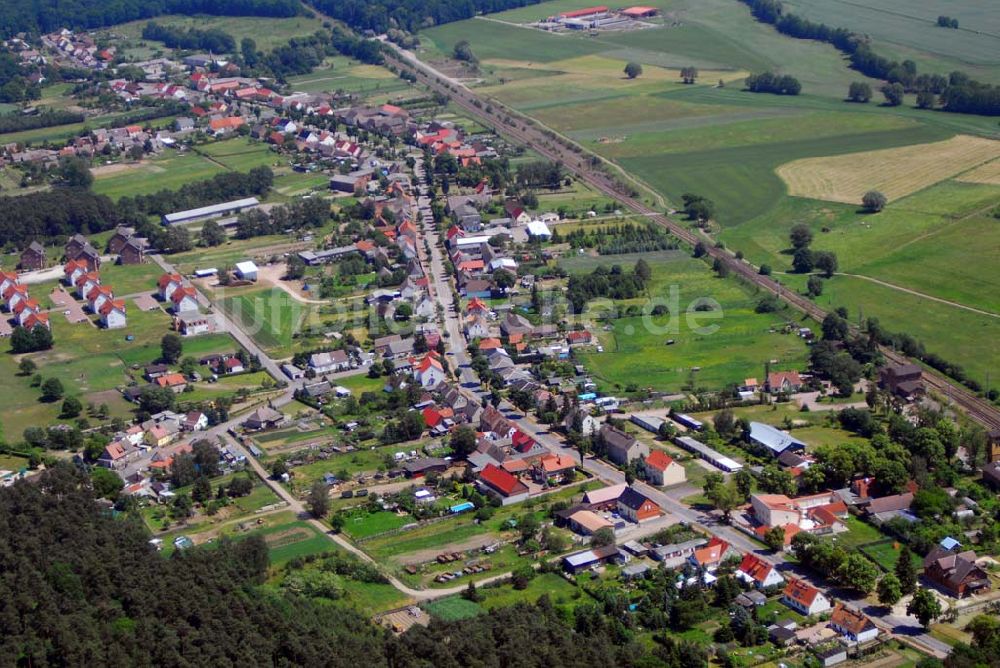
x=362, y=524
x=271, y=317
x=169, y=171
x=737, y=348
x=908, y=29
x=453, y=609
x=886, y=555
x=268, y=33
x=91, y=363
x=349, y=76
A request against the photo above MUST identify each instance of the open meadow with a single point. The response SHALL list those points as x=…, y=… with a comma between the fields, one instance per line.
x=91, y=363
x=735, y=343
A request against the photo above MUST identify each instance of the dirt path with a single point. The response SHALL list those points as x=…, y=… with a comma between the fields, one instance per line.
x=272, y=273
x=908, y=291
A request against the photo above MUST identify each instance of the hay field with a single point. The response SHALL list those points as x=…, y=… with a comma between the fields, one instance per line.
x=896, y=172
x=988, y=174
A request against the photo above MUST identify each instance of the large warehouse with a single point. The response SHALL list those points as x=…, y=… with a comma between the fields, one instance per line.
x=208, y=212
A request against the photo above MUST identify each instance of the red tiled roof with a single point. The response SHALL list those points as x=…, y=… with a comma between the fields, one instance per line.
x=113, y=304
x=180, y=293
x=659, y=460
x=167, y=279
x=850, y=620
x=801, y=592
x=170, y=380
x=228, y=123
x=521, y=441
x=711, y=553
x=502, y=481
x=755, y=567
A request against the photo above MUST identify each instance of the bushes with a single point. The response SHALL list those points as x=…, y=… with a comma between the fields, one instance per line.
x=769, y=82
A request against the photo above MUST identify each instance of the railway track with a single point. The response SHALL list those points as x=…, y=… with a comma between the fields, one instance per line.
x=577, y=161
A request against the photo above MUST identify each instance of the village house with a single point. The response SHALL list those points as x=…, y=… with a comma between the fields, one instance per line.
x=758, y=572
x=711, y=556
x=581, y=418
x=192, y=325
x=502, y=485
x=902, y=380
x=175, y=381
x=167, y=283
x=133, y=252
x=329, y=362
x=195, y=421
x=113, y=314
x=158, y=436
x=621, y=448
x=33, y=257
x=264, y=417
x=604, y=498
x=955, y=572
x=8, y=279
x=184, y=300
x=855, y=626
x=787, y=382
x=552, y=469
x=14, y=295
x=636, y=507
x=817, y=513
x=662, y=470
x=98, y=296
x=429, y=371
x=117, y=455
x=805, y=599
x=87, y=282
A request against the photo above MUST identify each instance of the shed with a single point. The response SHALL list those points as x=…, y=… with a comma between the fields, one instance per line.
x=246, y=270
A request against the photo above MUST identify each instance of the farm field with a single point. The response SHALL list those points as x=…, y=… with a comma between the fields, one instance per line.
x=349, y=76
x=959, y=336
x=736, y=347
x=920, y=243
x=169, y=171
x=904, y=29
x=895, y=172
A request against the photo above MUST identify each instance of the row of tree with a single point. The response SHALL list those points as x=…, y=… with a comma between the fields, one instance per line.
x=45, y=119
x=175, y=37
